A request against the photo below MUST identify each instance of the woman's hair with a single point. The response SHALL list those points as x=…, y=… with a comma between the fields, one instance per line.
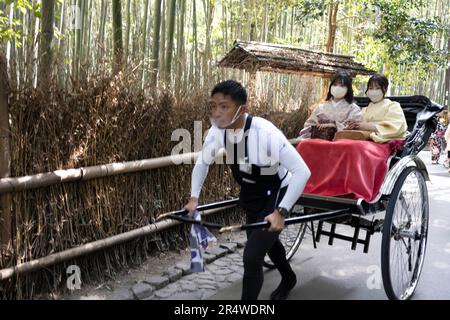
x=381, y=80
x=344, y=79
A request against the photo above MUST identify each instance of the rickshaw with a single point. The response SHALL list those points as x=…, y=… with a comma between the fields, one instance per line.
x=403, y=198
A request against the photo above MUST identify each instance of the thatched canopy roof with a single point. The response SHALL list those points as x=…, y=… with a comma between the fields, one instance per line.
x=259, y=56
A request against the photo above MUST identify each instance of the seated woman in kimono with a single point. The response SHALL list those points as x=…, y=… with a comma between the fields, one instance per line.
x=358, y=167
x=382, y=117
x=337, y=109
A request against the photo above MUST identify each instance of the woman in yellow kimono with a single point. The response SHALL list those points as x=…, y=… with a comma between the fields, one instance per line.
x=383, y=117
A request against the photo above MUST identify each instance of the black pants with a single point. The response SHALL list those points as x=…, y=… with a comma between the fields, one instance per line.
x=259, y=243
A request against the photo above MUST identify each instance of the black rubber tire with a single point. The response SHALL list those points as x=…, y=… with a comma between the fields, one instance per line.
x=392, y=234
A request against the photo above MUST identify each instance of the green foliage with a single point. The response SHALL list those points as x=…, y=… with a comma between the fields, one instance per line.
x=308, y=10
x=9, y=30
x=408, y=39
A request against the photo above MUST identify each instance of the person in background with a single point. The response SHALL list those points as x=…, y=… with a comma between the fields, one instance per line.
x=437, y=141
x=447, y=139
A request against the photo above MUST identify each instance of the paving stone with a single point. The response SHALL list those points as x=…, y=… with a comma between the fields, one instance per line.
x=234, y=277
x=226, y=259
x=171, y=289
x=223, y=271
x=122, y=294
x=230, y=246
x=205, y=275
x=189, y=287
x=195, y=295
x=173, y=274
x=221, y=263
x=175, y=287
x=205, y=282
x=157, y=282
x=207, y=286
x=236, y=268
x=239, y=263
x=185, y=267
x=208, y=258
x=191, y=276
x=219, y=252
x=142, y=290
x=235, y=256
x=221, y=278
x=208, y=293
x=223, y=285
x=213, y=268
x=162, y=294
x=208, y=277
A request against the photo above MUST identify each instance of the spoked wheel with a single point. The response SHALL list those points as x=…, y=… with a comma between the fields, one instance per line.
x=291, y=238
x=405, y=232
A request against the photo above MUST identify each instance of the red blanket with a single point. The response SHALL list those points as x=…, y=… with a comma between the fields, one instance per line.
x=344, y=166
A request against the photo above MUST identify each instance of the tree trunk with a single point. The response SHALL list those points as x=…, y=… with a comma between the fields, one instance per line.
x=252, y=90
x=127, y=33
x=117, y=36
x=144, y=41
x=195, y=48
x=45, y=47
x=87, y=41
x=13, y=51
x=5, y=156
x=155, y=45
x=225, y=27
x=170, y=36
x=30, y=46
x=84, y=23
x=266, y=21
x=62, y=47
x=209, y=14
x=332, y=26
x=162, y=48
x=180, y=46
x=101, y=50
x=78, y=43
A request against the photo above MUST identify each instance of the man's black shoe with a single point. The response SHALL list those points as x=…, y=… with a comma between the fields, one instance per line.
x=282, y=292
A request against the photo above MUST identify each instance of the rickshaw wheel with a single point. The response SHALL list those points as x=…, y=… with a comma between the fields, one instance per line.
x=405, y=232
x=291, y=238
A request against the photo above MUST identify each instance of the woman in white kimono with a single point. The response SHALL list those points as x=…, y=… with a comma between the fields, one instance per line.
x=383, y=117
x=336, y=110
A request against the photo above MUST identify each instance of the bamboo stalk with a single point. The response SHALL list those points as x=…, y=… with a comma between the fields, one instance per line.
x=61, y=176
x=5, y=153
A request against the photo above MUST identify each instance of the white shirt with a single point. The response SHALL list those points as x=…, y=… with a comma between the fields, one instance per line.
x=267, y=145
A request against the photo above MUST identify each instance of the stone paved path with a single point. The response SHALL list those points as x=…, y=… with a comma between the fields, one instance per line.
x=223, y=267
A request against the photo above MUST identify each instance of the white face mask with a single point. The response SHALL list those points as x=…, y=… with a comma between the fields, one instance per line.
x=235, y=117
x=375, y=95
x=338, y=92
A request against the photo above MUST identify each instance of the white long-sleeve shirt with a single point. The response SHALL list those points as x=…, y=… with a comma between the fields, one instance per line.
x=267, y=145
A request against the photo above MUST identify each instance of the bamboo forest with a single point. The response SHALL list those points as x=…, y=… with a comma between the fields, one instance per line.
x=95, y=96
